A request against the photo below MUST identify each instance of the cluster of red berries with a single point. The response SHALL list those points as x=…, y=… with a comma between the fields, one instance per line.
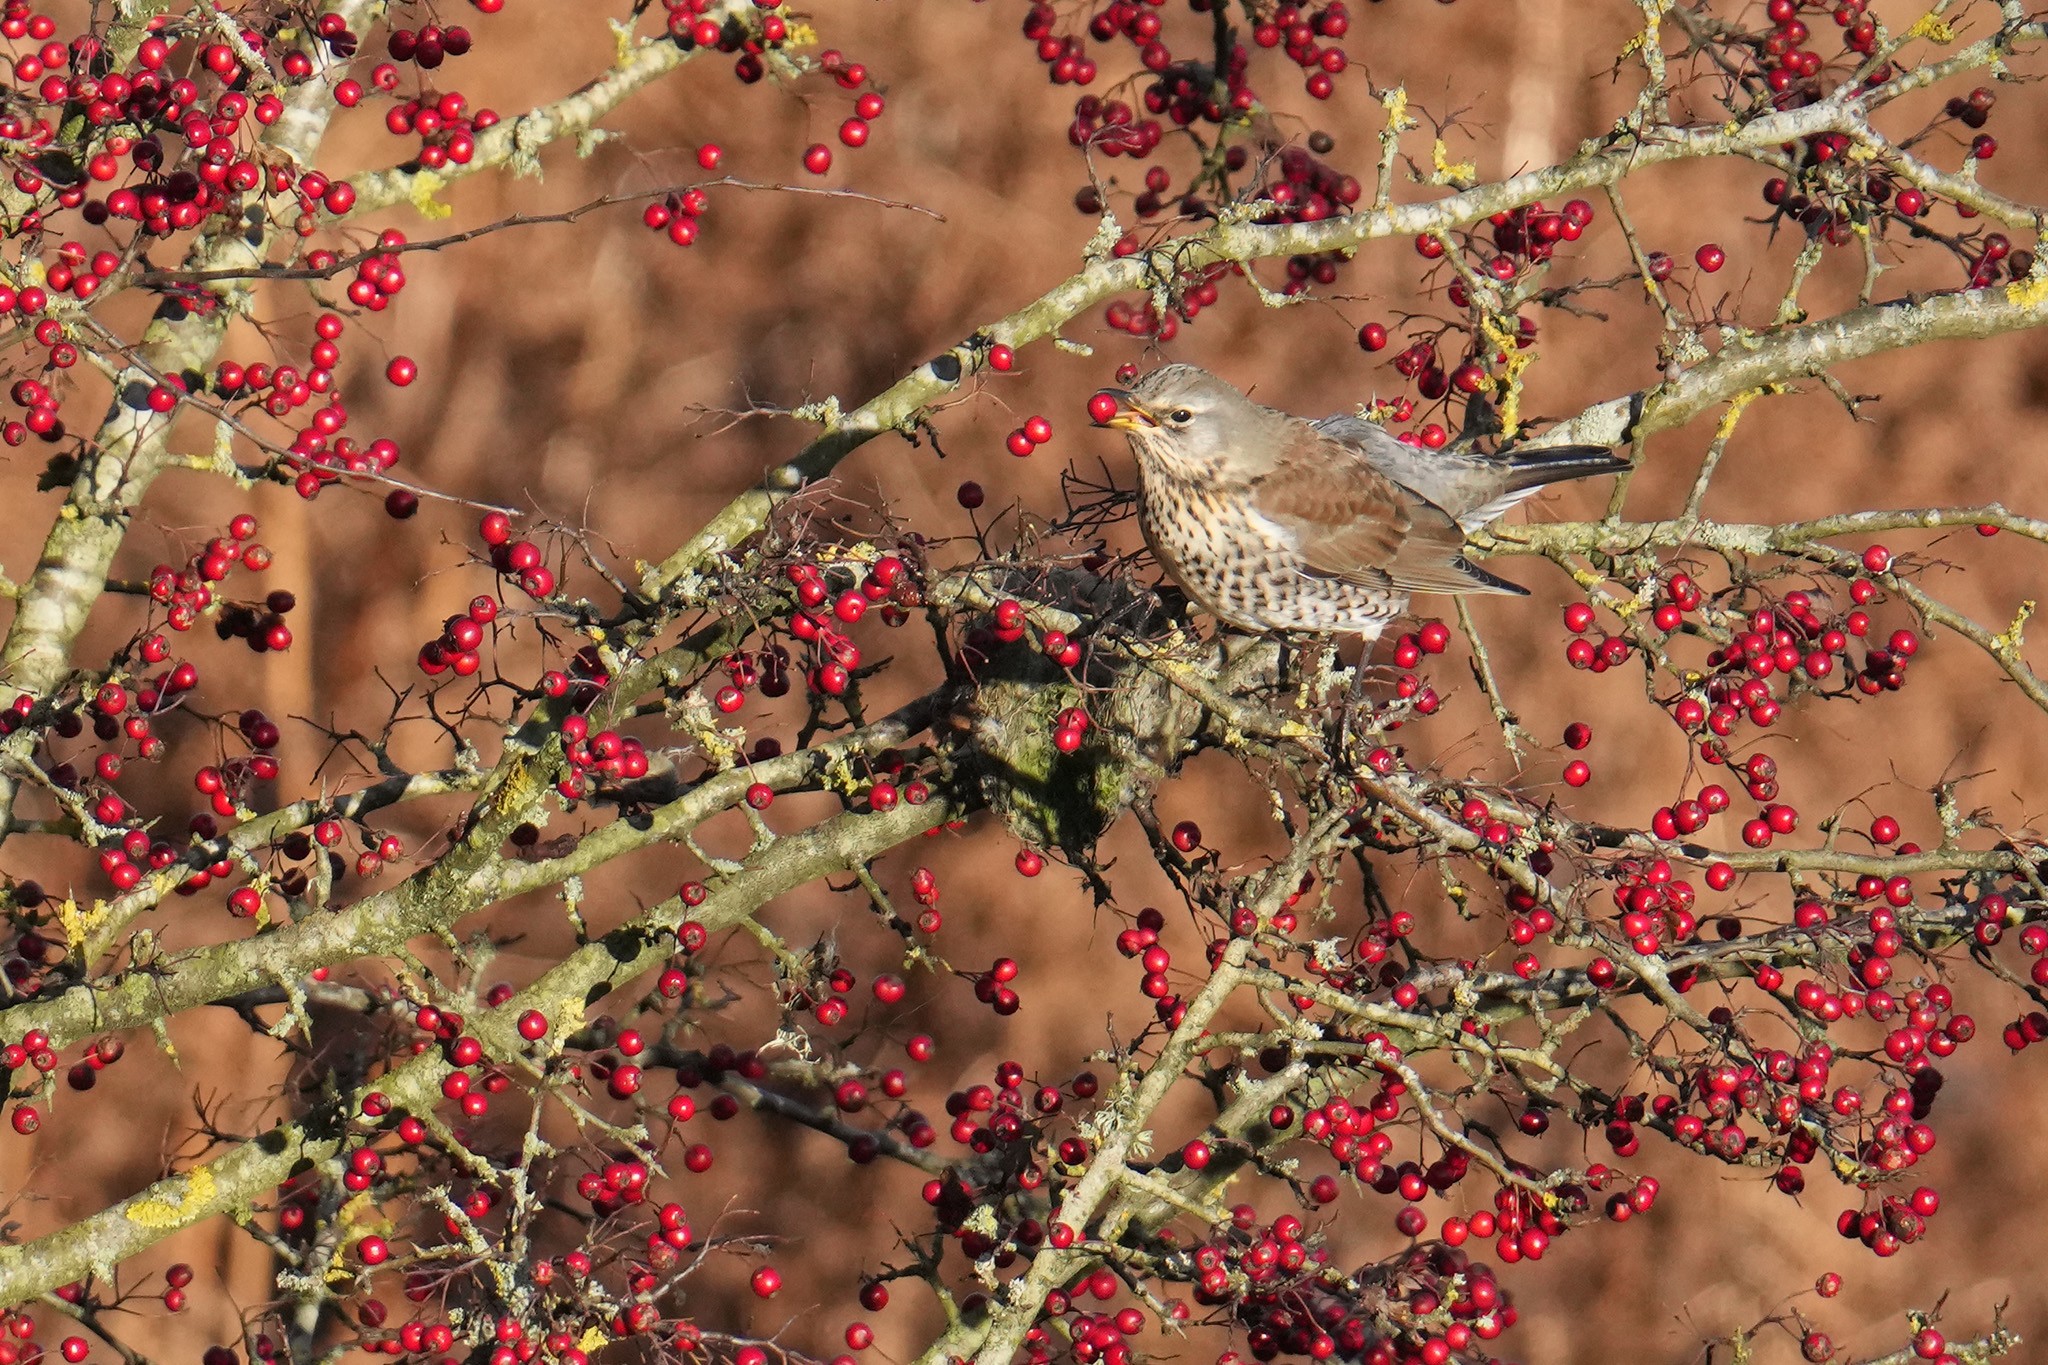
x=1299, y=28
x=34, y=1051
x=989, y=1117
x=1308, y=190
x=856, y=128
x=1448, y=1305
x=680, y=213
x=322, y=839
x=1141, y=941
x=1652, y=905
x=1006, y=624
x=1112, y=127
x=754, y=35
x=832, y=597
x=459, y=650
x=1529, y=236
x=994, y=989
x=1066, y=58
x=520, y=559
x=40, y=414
x=445, y=125
x=130, y=112
x=1791, y=67
x=119, y=713
x=605, y=755
x=1791, y=639
x=1144, y=318
x=1035, y=432
x=766, y=671
x=426, y=47
x=1430, y=637
x=2025, y=1031
x=1829, y=193
x=215, y=163
x=1187, y=91
x=1090, y=1338
x=186, y=592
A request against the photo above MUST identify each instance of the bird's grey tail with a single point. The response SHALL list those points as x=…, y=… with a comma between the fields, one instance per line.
x=1523, y=470
x=1530, y=468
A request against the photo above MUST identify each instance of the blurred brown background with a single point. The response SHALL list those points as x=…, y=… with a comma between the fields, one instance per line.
x=576, y=371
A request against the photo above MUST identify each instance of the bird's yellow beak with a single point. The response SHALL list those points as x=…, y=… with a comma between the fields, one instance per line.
x=1119, y=410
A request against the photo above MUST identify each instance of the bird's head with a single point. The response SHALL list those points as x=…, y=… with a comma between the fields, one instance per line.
x=1184, y=421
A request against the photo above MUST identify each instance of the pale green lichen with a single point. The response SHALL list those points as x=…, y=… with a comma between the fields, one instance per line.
x=1108, y=233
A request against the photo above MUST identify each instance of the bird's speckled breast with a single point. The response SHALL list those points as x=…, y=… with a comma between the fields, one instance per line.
x=1237, y=565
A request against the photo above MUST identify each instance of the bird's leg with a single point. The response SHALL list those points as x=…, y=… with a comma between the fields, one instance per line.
x=1354, y=696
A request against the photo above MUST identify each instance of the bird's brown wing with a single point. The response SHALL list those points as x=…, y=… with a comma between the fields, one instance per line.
x=1352, y=522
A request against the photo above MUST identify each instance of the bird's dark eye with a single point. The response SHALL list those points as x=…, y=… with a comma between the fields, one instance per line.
x=1179, y=416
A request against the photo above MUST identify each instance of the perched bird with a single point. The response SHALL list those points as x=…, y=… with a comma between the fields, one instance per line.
x=1273, y=522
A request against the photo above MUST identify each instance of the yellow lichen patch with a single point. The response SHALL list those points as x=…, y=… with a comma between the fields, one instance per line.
x=425, y=185
x=1932, y=26
x=2008, y=642
x=1396, y=102
x=167, y=1210
x=349, y=1215
x=1447, y=170
x=80, y=924
x=1513, y=360
x=2030, y=292
x=353, y=1210
x=1726, y=426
